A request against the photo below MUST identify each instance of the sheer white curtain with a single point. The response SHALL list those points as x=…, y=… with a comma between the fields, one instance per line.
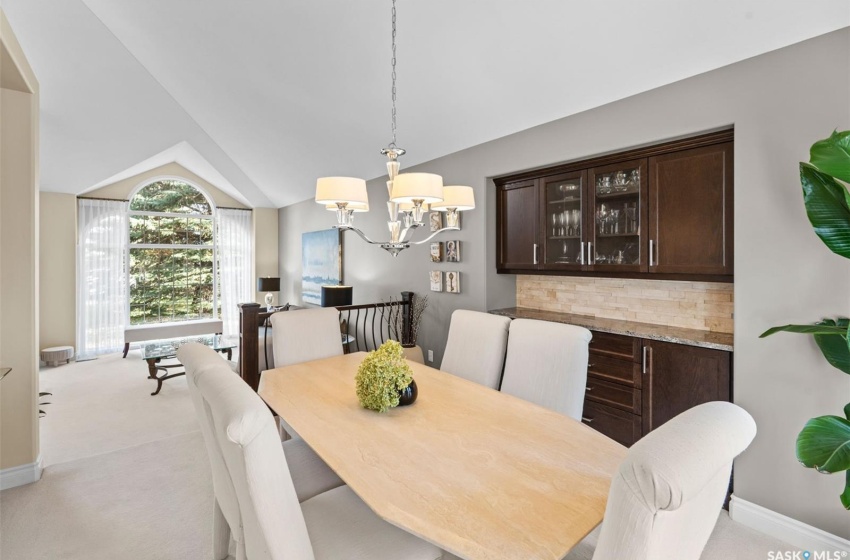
x=101, y=276
x=235, y=250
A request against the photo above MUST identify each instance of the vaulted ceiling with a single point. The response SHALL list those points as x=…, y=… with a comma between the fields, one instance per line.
x=267, y=95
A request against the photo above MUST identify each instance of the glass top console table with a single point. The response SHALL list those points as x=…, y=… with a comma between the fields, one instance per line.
x=156, y=351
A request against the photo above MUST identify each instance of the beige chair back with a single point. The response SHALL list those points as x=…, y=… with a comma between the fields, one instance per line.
x=272, y=522
x=306, y=334
x=476, y=347
x=665, y=499
x=198, y=360
x=547, y=365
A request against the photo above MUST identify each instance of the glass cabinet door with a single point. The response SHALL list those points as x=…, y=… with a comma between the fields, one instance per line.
x=563, y=212
x=619, y=194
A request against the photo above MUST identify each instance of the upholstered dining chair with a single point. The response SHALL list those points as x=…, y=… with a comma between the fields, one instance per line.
x=664, y=501
x=274, y=526
x=476, y=347
x=302, y=336
x=310, y=475
x=547, y=364
x=305, y=335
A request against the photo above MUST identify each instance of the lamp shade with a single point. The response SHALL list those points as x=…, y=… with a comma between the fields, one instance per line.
x=268, y=284
x=461, y=198
x=330, y=190
x=335, y=296
x=426, y=187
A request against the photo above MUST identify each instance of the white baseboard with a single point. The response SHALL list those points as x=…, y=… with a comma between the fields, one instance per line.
x=784, y=528
x=20, y=475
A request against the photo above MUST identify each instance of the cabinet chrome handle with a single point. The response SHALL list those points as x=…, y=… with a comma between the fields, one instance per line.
x=651, y=263
x=581, y=257
x=645, y=351
x=589, y=258
x=590, y=365
x=588, y=388
x=535, y=253
x=586, y=420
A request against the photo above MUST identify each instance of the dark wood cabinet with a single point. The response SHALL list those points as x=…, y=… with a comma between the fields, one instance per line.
x=634, y=385
x=690, y=223
x=662, y=211
x=518, y=208
x=679, y=377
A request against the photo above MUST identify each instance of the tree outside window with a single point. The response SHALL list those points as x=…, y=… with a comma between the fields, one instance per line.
x=171, y=257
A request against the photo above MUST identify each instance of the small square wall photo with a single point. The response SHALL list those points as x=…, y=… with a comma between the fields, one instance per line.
x=437, y=252
x=452, y=251
x=436, y=220
x=436, y=280
x=453, y=282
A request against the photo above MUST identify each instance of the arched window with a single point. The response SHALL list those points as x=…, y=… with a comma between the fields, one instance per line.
x=171, y=264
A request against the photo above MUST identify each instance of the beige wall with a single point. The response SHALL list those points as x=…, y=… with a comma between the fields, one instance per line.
x=779, y=104
x=265, y=247
x=122, y=189
x=19, y=444
x=57, y=258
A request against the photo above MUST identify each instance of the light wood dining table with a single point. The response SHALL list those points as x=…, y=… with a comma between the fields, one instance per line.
x=479, y=473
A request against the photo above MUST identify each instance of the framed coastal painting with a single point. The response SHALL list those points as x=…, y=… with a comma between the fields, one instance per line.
x=321, y=263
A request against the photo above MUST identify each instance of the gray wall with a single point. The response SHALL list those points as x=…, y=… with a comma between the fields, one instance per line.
x=779, y=103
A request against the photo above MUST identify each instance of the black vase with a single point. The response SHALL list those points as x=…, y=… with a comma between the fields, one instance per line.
x=408, y=395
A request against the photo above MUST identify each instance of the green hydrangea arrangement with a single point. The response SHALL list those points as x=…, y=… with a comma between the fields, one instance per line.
x=380, y=377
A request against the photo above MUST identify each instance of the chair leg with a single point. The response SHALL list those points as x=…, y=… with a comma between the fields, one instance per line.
x=221, y=534
x=126, y=349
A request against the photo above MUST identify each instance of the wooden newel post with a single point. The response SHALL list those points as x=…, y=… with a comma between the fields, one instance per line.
x=249, y=365
x=406, y=325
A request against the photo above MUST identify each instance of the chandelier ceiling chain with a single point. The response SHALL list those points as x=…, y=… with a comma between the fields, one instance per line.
x=409, y=193
x=392, y=144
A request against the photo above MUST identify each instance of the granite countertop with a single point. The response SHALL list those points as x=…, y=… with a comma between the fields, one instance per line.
x=664, y=333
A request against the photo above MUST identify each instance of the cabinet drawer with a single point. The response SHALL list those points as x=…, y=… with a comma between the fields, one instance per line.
x=613, y=394
x=614, y=369
x=615, y=345
x=622, y=427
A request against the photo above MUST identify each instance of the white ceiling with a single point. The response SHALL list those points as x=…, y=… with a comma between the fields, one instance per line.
x=271, y=94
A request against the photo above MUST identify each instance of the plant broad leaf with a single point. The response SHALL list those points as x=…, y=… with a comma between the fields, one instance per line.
x=835, y=349
x=847, y=410
x=845, y=496
x=828, y=208
x=817, y=328
x=832, y=155
x=824, y=444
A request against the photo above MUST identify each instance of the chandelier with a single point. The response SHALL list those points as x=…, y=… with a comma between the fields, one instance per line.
x=409, y=193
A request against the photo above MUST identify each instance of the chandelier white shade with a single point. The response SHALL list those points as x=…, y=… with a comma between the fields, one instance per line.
x=341, y=190
x=411, y=187
x=456, y=197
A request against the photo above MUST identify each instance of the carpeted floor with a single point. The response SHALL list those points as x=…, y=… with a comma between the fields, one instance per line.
x=106, y=404
x=128, y=476
x=151, y=501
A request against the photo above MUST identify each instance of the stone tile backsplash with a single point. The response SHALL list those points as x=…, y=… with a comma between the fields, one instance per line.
x=695, y=305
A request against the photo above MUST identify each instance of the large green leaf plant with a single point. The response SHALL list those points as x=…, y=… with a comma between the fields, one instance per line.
x=824, y=442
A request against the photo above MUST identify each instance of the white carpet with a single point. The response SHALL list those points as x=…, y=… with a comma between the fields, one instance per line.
x=106, y=404
x=128, y=476
x=152, y=501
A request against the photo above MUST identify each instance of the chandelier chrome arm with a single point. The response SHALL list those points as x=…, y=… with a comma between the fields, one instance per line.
x=433, y=235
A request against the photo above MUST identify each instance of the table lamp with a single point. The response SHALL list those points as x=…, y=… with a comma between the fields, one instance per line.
x=336, y=296
x=268, y=284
